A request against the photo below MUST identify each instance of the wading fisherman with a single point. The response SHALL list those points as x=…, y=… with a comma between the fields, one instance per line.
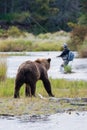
x=66, y=55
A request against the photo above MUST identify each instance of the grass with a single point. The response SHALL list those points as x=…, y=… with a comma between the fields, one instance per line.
x=36, y=106
x=64, y=88
x=60, y=88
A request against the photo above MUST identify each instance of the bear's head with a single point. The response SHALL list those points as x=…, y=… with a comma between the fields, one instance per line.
x=44, y=62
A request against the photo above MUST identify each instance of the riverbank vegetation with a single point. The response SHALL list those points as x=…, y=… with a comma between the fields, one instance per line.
x=43, y=26
x=77, y=41
x=30, y=42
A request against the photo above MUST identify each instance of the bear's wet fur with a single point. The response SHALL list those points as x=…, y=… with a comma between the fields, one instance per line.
x=29, y=73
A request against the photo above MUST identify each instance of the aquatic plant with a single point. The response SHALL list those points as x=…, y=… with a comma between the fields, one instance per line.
x=68, y=69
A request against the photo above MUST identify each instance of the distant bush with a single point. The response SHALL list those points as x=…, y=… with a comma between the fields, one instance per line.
x=44, y=36
x=3, y=33
x=47, y=46
x=78, y=35
x=83, y=49
x=15, y=45
x=3, y=68
x=79, y=31
x=14, y=31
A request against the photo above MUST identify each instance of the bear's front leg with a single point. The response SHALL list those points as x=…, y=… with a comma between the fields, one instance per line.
x=16, y=93
x=47, y=86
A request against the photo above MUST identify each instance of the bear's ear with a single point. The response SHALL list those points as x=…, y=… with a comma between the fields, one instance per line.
x=38, y=61
x=49, y=59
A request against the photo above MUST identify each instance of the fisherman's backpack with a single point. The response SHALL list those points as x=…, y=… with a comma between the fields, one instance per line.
x=70, y=56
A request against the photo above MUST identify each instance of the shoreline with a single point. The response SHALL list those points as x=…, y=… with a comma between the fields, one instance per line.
x=37, y=106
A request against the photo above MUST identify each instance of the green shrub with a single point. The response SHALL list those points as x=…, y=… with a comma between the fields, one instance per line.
x=14, y=31
x=3, y=33
x=15, y=45
x=68, y=69
x=3, y=68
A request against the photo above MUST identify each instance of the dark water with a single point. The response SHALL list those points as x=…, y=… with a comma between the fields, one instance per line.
x=79, y=66
x=63, y=121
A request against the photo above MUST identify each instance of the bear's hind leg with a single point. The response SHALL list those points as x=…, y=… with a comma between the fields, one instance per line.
x=17, y=89
x=33, y=88
x=28, y=90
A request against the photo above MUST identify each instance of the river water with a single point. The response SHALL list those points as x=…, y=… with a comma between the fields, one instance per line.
x=62, y=121
x=79, y=65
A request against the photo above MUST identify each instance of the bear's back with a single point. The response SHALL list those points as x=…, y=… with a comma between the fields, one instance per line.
x=29, y=68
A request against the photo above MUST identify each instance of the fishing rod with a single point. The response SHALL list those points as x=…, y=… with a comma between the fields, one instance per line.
x=39, y=24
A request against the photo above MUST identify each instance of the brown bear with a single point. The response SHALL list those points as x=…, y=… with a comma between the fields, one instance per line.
x=29, y=73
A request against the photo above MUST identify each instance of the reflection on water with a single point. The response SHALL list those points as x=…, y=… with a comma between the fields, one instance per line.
x=79, y=66
x=34, y=118
x=63, y=121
